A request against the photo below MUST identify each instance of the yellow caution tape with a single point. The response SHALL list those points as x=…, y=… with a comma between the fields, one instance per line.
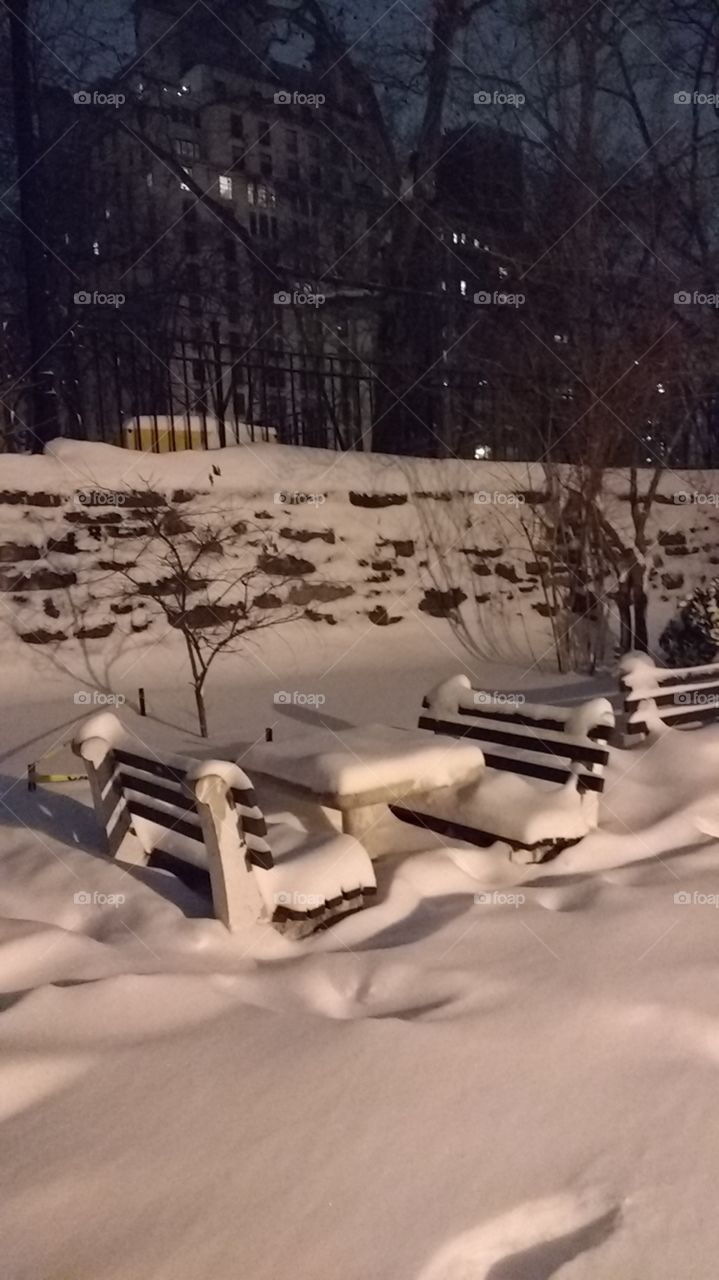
x=59, y=777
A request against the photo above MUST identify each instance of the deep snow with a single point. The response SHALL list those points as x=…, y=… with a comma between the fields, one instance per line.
x=497, y=1072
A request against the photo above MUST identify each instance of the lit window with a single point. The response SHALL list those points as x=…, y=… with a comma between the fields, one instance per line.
x=96, y=249
x=150, y=181
x=455, y=238
x=225, y=187
x=463, y=288
x=503, y=272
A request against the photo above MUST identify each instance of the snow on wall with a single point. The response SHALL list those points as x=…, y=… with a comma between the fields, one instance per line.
x=353, y=535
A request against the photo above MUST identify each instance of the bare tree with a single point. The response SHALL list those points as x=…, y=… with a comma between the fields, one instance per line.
x=210, y=586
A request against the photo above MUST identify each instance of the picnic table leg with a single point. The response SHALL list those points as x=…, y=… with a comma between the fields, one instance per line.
x=363, y=823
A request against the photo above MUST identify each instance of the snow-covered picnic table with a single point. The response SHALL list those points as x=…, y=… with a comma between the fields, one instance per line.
x=363, y=767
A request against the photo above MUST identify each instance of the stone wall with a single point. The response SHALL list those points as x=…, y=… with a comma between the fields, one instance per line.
x=374, y=550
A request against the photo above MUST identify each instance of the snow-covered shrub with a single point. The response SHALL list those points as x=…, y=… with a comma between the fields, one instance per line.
x=692, y=637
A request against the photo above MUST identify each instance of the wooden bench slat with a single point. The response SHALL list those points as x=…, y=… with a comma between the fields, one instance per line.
x=453, y=830
x=663, y=690
x=563, y=747
x=669, y=697
x=191, y=830
x=691, y=715
x=146, y=765
x=548, y=773
x=131, y=782
x=511, y=714
x=195, y=878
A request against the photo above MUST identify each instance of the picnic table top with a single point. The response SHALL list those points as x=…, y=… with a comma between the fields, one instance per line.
x=367, y=764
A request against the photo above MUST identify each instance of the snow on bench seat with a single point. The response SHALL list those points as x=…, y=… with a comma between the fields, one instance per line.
x=512, y=808
x=545, y=769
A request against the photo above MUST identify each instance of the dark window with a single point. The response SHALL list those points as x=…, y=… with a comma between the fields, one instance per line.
x=237, y=128
x=293, y=170
x=266, y=166
x=315, y=147
x=233, y=313
x=229, y=249
x=187, y=149
x=316, y=176
x=232, y=281
x=253, y=224
x=275, y=229
x=263, y=133
x=238, y=159
x=190, y=242
x=264, y=227
x=292, y=140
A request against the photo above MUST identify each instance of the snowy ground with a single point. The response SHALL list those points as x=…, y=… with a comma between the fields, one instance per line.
x=438, y=1088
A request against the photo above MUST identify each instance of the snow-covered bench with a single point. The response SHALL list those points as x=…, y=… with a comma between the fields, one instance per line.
x=683, y=697
x=200, y=820
x=544, y=770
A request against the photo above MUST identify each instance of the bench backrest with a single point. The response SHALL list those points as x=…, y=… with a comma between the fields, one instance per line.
x=547, y=742
x=681, y=696
x=158, y=794
x=153, y=809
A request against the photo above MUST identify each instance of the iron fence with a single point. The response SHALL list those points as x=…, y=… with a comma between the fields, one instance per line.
x=161, y=393
x=147, y=391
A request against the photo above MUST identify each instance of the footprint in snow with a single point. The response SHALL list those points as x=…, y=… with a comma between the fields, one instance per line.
x=396, y=991
x=531, y=1242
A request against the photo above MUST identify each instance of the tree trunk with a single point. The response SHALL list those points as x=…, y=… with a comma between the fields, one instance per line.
x=639, y=604
x=201, y=710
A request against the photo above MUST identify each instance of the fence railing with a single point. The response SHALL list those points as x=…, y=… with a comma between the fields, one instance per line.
x=147, y=392
x=153, y=392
